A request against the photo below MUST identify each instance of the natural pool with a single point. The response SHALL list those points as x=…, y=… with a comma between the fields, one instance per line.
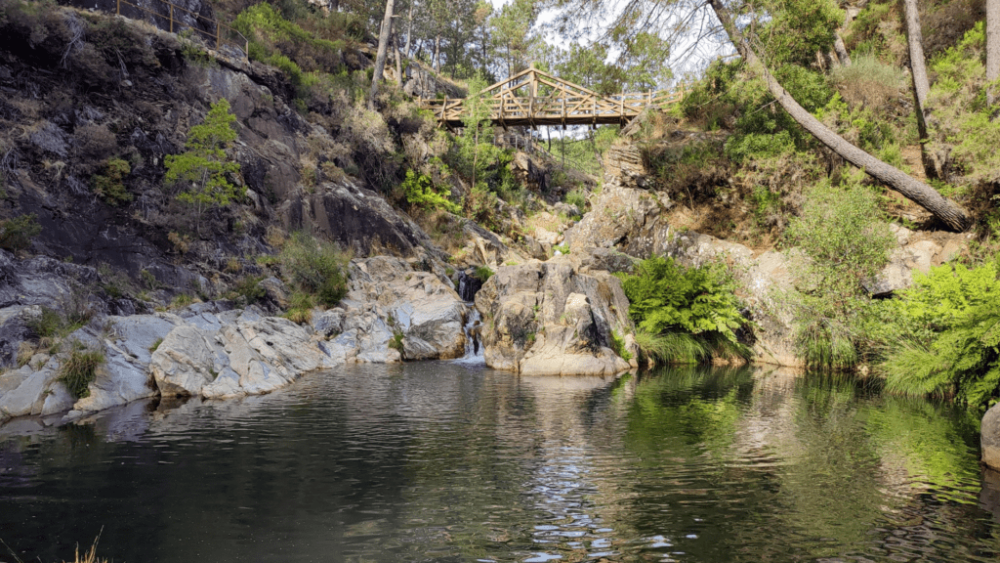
x=451, y=462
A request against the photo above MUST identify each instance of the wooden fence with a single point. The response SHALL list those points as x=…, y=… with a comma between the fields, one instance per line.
x=222, y=35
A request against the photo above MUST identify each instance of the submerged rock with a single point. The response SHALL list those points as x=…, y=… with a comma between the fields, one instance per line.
x=548, y=318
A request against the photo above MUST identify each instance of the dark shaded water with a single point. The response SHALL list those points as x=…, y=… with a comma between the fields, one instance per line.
x=449, y=462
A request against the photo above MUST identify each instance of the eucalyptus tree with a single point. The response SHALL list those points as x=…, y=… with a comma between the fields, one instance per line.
x=696, y=21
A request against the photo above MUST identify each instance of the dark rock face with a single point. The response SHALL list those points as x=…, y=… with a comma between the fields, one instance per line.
x=141, y=106
x=187, y=13
x=468, y=286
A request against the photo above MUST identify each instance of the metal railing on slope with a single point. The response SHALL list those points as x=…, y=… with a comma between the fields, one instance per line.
x=223, y=35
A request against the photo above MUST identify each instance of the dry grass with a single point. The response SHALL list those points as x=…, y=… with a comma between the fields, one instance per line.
x=868, y=82
x=88, y=556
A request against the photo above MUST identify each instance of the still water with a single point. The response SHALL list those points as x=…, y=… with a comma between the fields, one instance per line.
x=452, y=462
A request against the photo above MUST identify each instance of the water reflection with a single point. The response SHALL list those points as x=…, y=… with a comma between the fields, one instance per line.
x=454, y=462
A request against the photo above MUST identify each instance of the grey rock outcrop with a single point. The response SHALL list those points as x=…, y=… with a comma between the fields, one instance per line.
x=990, y=437
x=548, y=318
x=389, y=302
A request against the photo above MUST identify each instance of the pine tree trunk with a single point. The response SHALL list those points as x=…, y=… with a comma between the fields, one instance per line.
x=409, y=39
x=383, y=46
x=921, y=85
x=437, y=53
x=913, y=189
x=992, y=47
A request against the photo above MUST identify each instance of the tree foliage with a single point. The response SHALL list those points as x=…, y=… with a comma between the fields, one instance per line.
x=203, y=171
x=421, y=192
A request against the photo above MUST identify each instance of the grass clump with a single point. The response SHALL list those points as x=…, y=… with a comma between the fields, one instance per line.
x=300, y=308
x=79, y=370
x=155, y=345
x=482, y=273
x=618, y=345
x=315, y=267
x=667, y=300
x=868, y=81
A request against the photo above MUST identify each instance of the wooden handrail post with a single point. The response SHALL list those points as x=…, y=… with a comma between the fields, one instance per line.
x=171, y=18
x=118, y=7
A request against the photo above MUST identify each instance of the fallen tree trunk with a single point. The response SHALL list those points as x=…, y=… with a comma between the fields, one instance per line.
x=911, y=188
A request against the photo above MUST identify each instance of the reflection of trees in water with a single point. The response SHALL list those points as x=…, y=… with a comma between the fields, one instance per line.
x=435, y=461
x=798, y=467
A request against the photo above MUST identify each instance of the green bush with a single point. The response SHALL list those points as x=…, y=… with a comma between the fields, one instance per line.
x=79, y=370
x=315, y=267
x=482, y=273
x=111, y=185
x=950, y=323
x=618, y=345
x=248, y=290
x=578, y=199
x=421, y=192
x=16, y=233
x=666, y=298
x=842, y=242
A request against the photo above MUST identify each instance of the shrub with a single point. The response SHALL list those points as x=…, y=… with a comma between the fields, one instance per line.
x=155, y=345
x=248, y=290
x=315, y=267
x=111, y=185
x=578, y=199
x=16, y=233
x=421, y=192
x=79, y=370
x=46, y=325
x=843, y=242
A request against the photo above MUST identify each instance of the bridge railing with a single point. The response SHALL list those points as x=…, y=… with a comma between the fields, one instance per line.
x=223, y=35
x=554, y=110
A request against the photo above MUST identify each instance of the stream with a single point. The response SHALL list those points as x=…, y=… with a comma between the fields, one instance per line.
x=453, y=462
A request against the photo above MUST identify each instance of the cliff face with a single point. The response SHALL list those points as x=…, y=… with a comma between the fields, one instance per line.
x=82, y=88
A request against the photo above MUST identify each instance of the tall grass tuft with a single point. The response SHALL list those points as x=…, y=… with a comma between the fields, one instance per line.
x=79, y=371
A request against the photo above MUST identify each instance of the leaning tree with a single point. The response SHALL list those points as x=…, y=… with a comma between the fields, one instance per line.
x=689, y=22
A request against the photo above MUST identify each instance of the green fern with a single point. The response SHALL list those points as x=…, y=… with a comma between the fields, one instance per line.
x=667, y=299
x=953, y=345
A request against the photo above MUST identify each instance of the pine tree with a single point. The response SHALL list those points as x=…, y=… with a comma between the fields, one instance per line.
x=204, y=169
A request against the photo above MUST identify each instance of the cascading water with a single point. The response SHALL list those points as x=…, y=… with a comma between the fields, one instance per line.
x=473, y=342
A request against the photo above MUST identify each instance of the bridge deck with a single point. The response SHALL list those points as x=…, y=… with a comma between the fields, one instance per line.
x=564, y=104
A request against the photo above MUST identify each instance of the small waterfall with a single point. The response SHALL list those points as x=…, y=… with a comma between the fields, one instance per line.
x=468, y=286
x=473, y=353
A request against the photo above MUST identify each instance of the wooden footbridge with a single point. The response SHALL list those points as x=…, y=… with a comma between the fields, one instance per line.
x=516, y=102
